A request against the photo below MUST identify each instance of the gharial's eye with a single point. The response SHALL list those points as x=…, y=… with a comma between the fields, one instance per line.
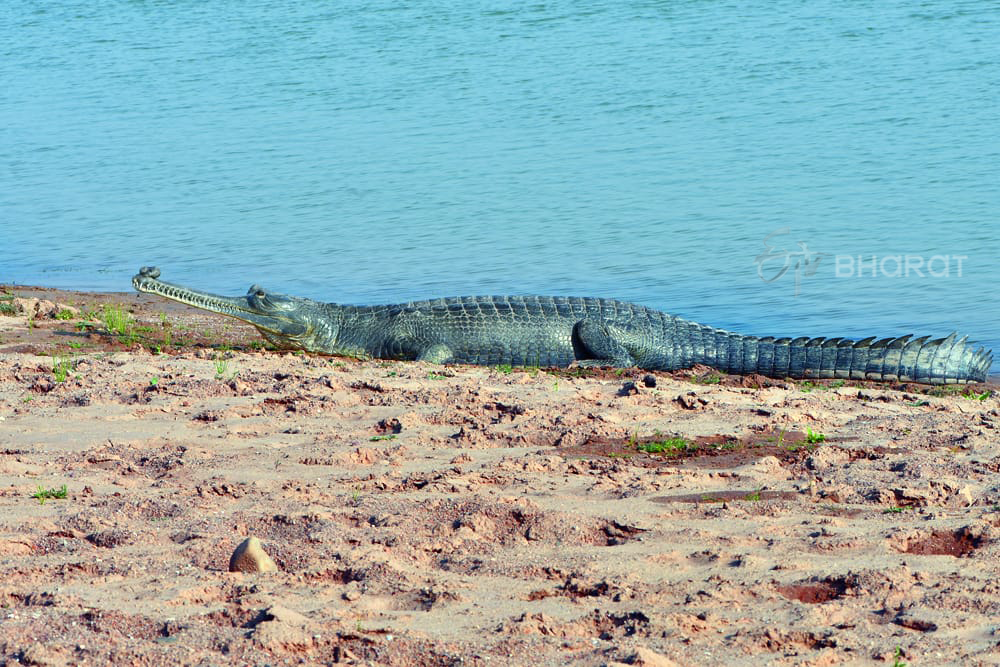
x=261, y=293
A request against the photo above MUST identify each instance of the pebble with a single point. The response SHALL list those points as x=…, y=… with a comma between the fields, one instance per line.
x=250, y=556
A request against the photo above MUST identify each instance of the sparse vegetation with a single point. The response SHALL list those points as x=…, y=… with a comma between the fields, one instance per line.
x=669, y=447
x=383, y=437
x=64, y=314
x=753, y=497
x=61, y=368
x=808, y=385
x=118, y=323
x=977, y=396
x=814, y=437
x=955, y=390
x=43, y=494
x=7, y=304
x=222, y=368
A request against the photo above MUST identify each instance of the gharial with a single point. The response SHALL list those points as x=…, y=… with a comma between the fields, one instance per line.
x=559, y=331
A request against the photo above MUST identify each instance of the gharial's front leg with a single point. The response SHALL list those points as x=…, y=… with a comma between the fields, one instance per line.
x=595, y=343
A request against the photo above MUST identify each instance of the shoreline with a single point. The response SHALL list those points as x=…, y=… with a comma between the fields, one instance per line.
x=167, y=306
x=422, y=515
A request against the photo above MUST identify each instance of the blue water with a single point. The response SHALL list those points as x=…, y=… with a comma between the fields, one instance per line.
x=372, y=152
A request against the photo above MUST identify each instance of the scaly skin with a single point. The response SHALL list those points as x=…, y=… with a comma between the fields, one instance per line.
x=558, y=331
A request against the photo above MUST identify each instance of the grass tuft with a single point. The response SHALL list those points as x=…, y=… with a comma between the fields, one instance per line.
x=814, y=437
x=7, y=304
x=669, y=447
x=221, y=368
x=978, y=396
x=61, y=368
x=43, y=494
x=118, y=322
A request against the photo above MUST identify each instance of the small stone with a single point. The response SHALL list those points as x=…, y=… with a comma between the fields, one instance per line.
x=826, y=457
x=691, y=401
x=43, y=656
x=628, y=389
x=251, y=557
x=280, y=628
x=285, y=615
x=647, y=658
x=42, y=308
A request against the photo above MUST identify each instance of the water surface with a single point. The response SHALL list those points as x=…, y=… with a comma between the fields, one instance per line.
x=368, y=152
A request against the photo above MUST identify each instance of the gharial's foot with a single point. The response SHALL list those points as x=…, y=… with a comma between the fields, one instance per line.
x=593, y=363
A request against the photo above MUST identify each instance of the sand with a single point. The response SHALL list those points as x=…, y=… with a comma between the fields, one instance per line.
x=455, y=515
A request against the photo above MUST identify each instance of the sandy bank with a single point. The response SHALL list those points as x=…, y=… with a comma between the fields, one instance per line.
x=428, y=515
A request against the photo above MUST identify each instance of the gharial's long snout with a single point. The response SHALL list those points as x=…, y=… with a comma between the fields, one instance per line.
x=147, y=280
x=241, y=307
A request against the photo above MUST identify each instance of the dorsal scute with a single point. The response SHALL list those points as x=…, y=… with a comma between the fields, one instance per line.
x=898, y=343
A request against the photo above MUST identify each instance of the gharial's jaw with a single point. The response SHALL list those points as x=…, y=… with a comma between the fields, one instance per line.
x=241, y=307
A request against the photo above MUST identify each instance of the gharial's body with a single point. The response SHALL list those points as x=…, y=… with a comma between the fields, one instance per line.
x=558, y=331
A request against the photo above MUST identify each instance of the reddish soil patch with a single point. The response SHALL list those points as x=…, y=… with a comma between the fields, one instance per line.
x=727, y=496
x=715, y=451
x=958, y=543
x=814, y=592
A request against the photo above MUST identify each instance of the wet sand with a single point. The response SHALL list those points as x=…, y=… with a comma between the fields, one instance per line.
x=455, y=515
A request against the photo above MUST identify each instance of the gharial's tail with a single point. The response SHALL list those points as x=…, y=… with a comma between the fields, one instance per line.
x=940, y=361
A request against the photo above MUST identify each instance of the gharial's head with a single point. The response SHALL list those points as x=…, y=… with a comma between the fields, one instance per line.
x=285, y=321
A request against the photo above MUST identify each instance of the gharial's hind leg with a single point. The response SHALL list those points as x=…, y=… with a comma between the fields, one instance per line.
x=595, y=344
x=436, y=354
